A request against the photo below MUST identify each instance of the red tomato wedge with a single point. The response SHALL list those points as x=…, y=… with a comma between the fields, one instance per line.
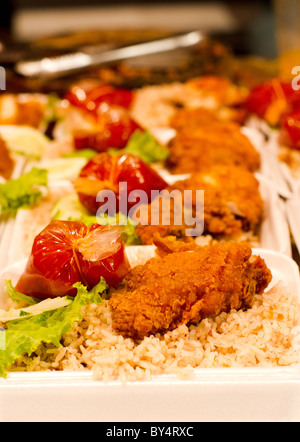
x=290, y=129
x=106, y=171
x=109, y=107
x=113, y=129
x=88, y=95
x=66, y=252
x=272, y=99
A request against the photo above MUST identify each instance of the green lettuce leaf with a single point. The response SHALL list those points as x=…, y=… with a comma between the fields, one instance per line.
x=25, y=140
x=68, y=208
x=17, y=297
x=26, y=334
x=62, y=168
x=145, y=146
x=22, y=192
x=88, y=154
x=35, y=309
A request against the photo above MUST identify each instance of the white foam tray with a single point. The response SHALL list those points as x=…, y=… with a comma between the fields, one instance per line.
x=271, y=166
x=214, y=395
x=274, y=231
x=18, y=170
x=292, y=207
x=271, y=394
x=283, y=171
x=286, y=183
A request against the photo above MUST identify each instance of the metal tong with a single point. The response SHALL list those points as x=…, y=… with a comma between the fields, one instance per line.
x=68, y=63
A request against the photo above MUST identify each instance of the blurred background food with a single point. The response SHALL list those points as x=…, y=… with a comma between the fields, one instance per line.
x=242, y=41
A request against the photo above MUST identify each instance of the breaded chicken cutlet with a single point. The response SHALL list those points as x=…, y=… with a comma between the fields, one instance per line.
x=193, y=118
x=195, y=148
x=14, y=110
x=221, y=89
x=186, y=287
x=232, y=205
x=6, y=162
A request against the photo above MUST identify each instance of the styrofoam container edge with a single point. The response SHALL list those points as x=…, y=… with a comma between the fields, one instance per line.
x=213, y=395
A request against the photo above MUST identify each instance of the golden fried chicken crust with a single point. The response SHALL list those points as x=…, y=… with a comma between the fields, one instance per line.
x=224, y=91
x=193, y=118
x=186, y=287
x=195, y=148
x=170, y=244
x=16, y=111
x=232, y=205
x=6, y=162
x=229, y=190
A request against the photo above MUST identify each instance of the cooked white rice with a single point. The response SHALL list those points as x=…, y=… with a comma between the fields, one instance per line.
x=263, y=336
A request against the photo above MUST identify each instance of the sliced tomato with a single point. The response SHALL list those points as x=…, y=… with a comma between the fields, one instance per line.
x=260, y=99
x=66, y=252
x=113, y=129
x=89, y=95
x=272, y=99
x=106, y=171
x=108, y=107
x=290, y=129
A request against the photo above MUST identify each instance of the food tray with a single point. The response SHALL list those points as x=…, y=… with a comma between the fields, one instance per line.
x=287, y=182
x=18, y=170
x=279, y=170
x=12, y=246
x=274, y=231
x=272, y=167
x=234, y=394
x=229, y=394
x=292, y=208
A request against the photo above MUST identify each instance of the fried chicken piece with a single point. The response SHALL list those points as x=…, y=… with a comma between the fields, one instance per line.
x=185, y=118
x=170, y=244
x=232, y=205
x=186, y=287
x=196, y=148
x=193, y=118
x=232, y=188
x=6, y=162
x=222, y=89
x=30, y=114
x=14, y=110
x=156, y=105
